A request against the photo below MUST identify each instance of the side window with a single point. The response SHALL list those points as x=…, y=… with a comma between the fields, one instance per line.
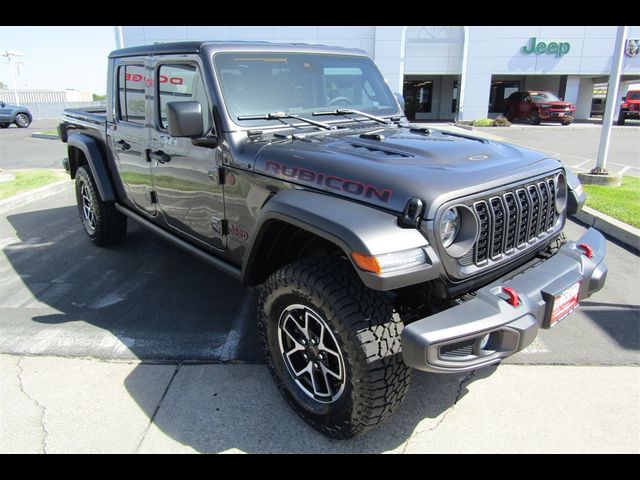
x=182, y=83
x=131, y=106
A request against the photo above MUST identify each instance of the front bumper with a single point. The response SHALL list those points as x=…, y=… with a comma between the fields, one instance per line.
x=557, y=115
x=486, y=329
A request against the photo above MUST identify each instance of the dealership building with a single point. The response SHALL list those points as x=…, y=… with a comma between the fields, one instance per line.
x=453, y=72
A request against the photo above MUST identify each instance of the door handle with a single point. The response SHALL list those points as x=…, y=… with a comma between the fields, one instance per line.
x=160, y=156
x=123, y=145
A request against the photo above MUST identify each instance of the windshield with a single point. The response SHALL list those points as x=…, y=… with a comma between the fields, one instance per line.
x=633, y=96
x=300, y=83
x=544, y=97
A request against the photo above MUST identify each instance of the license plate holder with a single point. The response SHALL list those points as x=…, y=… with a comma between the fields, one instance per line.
x=562, y=304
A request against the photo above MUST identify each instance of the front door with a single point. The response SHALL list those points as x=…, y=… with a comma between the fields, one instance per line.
x=186, y=177
x=128, y=135
x=6, y=113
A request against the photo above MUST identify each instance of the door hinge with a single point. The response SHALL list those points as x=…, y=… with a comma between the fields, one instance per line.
x=216, y=174
x=220, y=225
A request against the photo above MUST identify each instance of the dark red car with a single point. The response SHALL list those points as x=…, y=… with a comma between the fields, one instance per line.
x=537, y=106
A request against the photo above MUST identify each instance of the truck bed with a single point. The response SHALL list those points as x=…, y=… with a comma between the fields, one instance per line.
x=92, y=117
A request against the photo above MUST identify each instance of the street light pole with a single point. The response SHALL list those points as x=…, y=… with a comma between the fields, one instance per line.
x=611, y=102
x=9, y=54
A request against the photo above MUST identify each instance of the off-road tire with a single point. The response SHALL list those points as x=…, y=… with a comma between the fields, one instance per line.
x=367, y=331
x=534, y=117
x=621, y=118
x=109, y=225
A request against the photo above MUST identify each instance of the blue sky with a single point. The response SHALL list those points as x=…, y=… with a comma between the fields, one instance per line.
x=59, y=57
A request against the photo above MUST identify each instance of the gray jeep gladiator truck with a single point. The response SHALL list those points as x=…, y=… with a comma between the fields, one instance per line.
x=377, y=246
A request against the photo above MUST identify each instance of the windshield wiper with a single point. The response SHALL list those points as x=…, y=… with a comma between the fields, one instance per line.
x=350, y=111
x=281, y=115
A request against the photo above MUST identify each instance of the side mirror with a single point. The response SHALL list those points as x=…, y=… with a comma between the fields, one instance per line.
x=400, y=100
x=624, y=99
x=185, y=119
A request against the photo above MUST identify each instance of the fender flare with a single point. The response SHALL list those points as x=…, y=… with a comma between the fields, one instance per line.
x=351, y=226
x=94, y=153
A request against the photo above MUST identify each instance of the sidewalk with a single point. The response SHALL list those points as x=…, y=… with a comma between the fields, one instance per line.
x=81, y=405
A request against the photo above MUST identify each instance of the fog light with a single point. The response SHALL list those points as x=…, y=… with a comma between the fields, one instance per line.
x=483, y=341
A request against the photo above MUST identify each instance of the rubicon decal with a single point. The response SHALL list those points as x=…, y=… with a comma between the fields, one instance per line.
x=347, y=185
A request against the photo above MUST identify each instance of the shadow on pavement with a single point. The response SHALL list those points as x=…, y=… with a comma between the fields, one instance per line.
x=149, y=299
x=215, y=409
x=620, y=322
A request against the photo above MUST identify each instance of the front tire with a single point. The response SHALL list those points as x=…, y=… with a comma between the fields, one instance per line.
x=103, y=223
x=621, y=118
x=534, y=117
x=22, y=120
x=509, y=115
x=332, y=346
x=4, y=125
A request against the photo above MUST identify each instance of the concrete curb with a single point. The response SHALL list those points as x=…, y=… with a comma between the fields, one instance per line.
x=616, y=229
x=45, y=136
x=33, y=195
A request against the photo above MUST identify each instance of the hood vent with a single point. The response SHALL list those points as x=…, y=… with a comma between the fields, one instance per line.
x=371, y=151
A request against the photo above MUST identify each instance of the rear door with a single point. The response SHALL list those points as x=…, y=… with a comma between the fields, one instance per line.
x=128, y=134
x=185, y=176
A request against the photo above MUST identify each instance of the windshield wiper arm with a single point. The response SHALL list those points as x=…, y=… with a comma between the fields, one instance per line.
x=349, y=111
x=281, y=115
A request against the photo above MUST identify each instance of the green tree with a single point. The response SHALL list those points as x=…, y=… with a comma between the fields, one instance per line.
x=99, y=98
x=3, y=86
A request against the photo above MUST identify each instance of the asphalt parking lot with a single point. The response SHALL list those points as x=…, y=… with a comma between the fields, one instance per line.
x=19, y=150
x=576, y=145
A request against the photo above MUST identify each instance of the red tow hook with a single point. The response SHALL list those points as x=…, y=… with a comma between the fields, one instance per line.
x=513, y=296
x=587, y=250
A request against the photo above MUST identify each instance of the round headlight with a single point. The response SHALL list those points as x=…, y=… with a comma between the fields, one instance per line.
x=561, y=192
x=449, y=226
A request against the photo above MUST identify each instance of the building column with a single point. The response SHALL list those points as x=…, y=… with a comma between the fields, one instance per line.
x=476, y=73
x=584, y=98
x=572, y=88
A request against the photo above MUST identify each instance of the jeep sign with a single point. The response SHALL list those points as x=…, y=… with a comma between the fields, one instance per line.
x=552, y=48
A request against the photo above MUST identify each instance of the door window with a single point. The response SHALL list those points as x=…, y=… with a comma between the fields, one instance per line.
x=131, y=82
x=181, y=83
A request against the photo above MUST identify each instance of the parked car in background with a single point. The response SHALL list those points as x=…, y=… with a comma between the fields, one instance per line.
x=630, y=107
x=537, y=106
x=9, y=114
x=597, y=106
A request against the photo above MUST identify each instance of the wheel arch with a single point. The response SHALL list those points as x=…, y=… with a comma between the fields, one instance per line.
x=325, y=223
x=83, y=149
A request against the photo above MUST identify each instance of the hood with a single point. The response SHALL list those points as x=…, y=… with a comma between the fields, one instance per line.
x=389, y=166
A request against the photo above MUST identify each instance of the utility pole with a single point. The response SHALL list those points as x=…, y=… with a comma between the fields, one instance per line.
x=119, y=38
x=611, y=102
x=8, y=54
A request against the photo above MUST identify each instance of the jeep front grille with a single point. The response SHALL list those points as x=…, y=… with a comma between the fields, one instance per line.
x=511, y=219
